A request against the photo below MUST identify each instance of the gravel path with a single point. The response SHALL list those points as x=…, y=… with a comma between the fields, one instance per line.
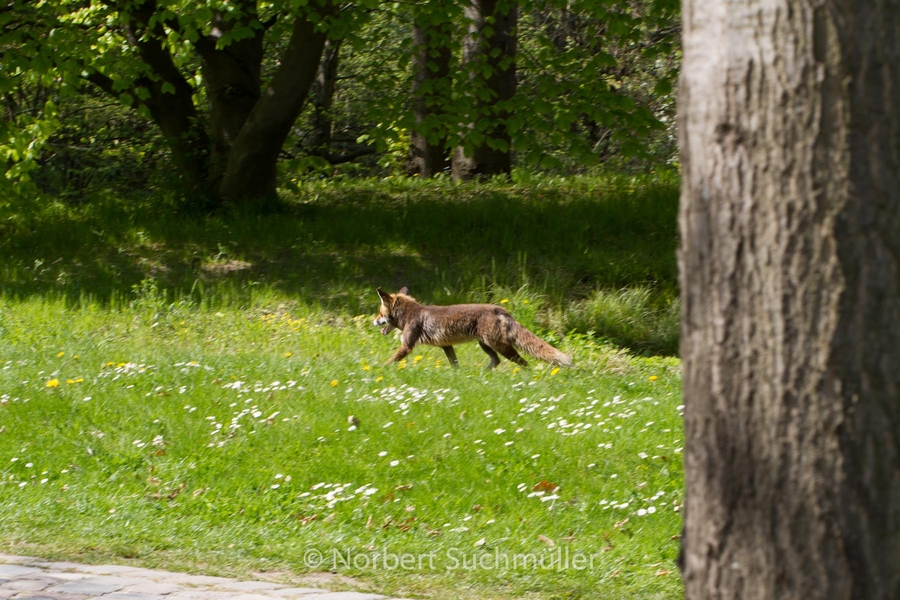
x=26, y=578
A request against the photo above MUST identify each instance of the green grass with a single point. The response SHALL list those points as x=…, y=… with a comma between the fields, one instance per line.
x=560, y=239
x=203, y=418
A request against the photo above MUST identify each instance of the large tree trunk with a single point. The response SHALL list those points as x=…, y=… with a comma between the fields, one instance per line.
x=492, y=43
x=251, y=169
x=431, y=90
x=790, y=277
x=232, y=79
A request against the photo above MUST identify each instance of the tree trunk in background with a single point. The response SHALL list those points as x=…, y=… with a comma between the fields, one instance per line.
x=431, y=91
x=323, y=99
x=790, y=279
x=169, y=99
x=232, y=79
x=491, y=42
x=251, y=168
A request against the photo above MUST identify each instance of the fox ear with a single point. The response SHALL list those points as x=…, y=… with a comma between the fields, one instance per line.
x=385, y=297
x=404, y=290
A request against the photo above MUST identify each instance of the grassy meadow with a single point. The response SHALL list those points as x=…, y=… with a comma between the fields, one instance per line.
x=208, y=393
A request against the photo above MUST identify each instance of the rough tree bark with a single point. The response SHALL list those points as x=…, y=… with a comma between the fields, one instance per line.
x=790, y=278
x=431, y=90
x=491, y=42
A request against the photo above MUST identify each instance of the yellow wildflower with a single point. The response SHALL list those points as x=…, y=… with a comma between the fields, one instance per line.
x=70, y=381
x=60, y=354
x=554, y=371
x=53, y=383
x=504, y=301
x=379, y=378
x=653, y=378
x=334, y=382
x=367, y=368
x=288, y=354
x=418, y=358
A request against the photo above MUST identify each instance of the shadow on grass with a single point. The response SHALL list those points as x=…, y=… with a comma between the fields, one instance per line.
x=334, y=245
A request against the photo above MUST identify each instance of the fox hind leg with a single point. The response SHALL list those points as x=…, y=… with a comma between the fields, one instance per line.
x=495, y=360
x=510, y=353
x=451, y=355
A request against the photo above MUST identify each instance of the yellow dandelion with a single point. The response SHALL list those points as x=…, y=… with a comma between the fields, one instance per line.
x=53, y=383
x=70, y=381
x=418, y=358
x=367, y=368
x=334, y=382
x=120, y=365
x=515, y=369
x=504, y=301
x=110, y=364
x=554, y=371
x=60, y=354
x=79, y=379
x=379, y=378
x=75, y=357
x=288, y=354
x=653, y=378
x=525, y=301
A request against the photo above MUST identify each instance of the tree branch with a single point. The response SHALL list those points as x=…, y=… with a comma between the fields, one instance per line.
x=102, y=81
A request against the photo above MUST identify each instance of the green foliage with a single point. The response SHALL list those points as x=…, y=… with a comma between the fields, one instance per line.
x=596, y=70
x=595, y=82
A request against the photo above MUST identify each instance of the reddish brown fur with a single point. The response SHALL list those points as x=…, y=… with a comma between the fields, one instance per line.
x=496, y=331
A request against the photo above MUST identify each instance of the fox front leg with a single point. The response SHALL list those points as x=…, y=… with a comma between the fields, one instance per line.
x=408, y=341
x=451, y=355
x=399, y=355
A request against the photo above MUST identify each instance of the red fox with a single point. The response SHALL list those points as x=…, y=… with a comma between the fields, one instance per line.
x=493, y=327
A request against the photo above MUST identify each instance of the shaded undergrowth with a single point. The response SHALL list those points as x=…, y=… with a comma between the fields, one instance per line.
x=599, y=252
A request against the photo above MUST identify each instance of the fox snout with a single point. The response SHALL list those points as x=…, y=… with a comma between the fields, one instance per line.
x=388, y=326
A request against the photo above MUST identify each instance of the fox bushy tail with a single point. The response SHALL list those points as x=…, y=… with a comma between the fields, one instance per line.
x=527, y=342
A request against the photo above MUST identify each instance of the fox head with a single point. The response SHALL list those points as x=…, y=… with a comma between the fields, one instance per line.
x=385, y=312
